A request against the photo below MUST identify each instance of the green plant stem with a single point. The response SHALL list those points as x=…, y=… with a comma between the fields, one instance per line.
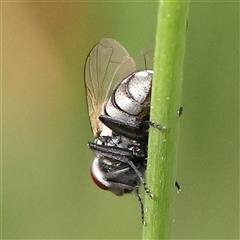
x=165, y=102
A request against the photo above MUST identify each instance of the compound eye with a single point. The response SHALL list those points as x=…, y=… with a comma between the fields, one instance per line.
x=98, y=175
x=97, y=181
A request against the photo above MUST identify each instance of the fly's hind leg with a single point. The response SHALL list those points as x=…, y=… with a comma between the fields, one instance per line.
x=160, y=127
x=147, y=123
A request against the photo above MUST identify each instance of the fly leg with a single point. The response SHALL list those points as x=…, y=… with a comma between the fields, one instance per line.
x=147, y=123
x=136, y=192
x=160, y=127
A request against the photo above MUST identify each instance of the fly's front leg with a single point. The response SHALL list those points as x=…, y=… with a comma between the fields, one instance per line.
x=136, y=193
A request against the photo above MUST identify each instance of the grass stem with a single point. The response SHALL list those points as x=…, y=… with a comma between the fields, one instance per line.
x=165, y=103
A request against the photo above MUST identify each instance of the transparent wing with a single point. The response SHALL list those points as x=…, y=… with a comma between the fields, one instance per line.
x=145, y=58
x=106, y=66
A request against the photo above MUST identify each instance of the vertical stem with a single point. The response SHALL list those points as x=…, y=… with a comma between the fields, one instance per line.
x=165, y=102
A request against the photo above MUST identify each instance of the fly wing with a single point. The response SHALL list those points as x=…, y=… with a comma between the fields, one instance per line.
x=145, y=58
x=106, y=66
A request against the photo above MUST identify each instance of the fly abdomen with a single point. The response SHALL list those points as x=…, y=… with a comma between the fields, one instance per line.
x=131, y=99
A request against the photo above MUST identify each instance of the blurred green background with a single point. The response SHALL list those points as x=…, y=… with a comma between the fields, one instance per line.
x=47, y=191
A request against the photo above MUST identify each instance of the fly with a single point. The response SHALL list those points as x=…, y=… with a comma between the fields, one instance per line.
x=118, y=99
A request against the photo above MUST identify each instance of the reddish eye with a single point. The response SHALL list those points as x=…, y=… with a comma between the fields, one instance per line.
x=97, y=181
